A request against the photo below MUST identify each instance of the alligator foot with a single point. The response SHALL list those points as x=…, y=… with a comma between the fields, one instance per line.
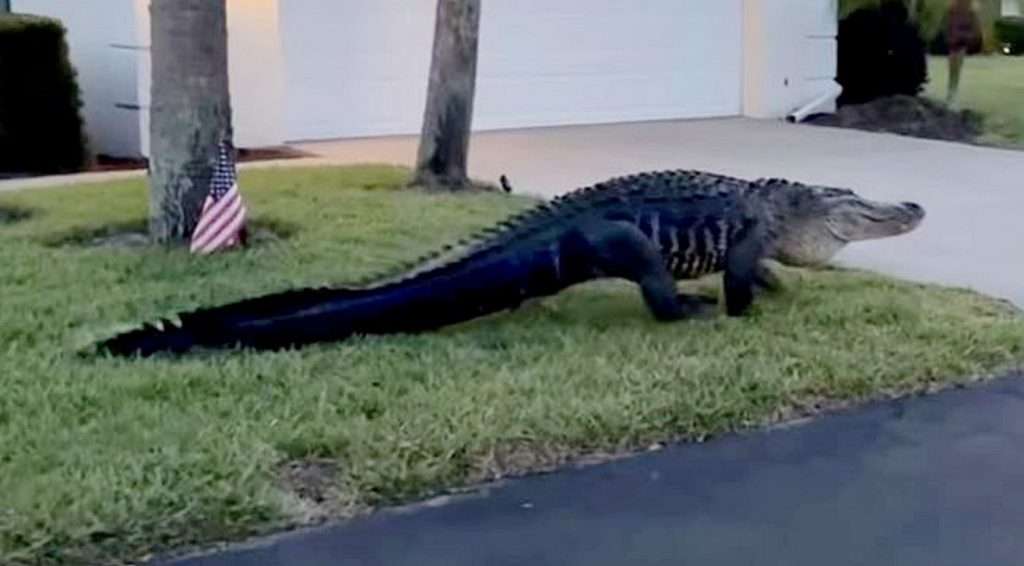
x=697, y=306
x=767, y=281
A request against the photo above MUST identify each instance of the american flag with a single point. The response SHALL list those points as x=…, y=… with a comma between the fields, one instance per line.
x=222, y=220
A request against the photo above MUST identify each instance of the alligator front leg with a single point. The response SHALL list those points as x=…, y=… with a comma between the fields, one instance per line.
x=742, y=262
x=620, y=249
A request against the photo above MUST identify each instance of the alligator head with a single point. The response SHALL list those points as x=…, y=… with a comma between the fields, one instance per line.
x=815, y=222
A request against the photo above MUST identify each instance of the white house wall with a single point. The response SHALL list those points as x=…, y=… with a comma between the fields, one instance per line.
x=305, y=69
x=255, y=67
x=256, y=64
x=789, y=54
x=104, y=50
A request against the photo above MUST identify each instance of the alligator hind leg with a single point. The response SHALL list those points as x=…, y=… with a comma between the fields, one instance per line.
x=742, y=262
x=619, y=249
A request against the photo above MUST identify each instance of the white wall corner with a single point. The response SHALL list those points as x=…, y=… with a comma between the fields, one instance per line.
x=789, y=55
x=753, y=63
x=256, y=68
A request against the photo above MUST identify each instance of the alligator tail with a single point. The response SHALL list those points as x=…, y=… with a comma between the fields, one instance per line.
x=431, y=300
x=150, y=339
x=269, y=322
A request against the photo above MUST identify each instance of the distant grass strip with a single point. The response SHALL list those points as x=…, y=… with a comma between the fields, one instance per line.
x=992, y=85
x=111, y=459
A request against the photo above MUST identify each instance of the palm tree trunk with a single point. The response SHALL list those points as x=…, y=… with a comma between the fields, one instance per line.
x=444, y=141
x=190, y=113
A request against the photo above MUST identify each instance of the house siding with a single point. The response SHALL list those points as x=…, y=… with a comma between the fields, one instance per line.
x=763, y=58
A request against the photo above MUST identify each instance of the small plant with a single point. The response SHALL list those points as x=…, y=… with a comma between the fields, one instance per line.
x=12, y=214
x=1010, y=31
x=881, y=53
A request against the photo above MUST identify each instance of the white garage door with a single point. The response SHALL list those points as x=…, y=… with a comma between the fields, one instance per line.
x=358, y=68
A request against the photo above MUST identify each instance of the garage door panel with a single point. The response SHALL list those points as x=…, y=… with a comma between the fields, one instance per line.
x=507, y=103
x=588, y=91
x=606, y=35
x=606, y=61
x=355, y=68
x=360, y=68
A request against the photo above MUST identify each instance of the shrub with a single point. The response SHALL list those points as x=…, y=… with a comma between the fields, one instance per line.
x=881, y=53
x=1010, y=31
x=41, y=129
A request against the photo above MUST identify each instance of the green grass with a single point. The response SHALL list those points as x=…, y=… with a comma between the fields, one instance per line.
x=105, y=458
x=992, y=86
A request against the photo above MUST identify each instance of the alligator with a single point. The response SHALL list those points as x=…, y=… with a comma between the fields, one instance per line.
x=652, y=228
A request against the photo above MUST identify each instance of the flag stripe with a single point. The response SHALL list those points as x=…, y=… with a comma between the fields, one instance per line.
x=217, y=226
x=228, y=235
x=223, y=234
x=216, y=212
x=215, y=209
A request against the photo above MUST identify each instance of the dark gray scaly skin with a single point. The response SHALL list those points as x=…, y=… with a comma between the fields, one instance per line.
x=652, y=229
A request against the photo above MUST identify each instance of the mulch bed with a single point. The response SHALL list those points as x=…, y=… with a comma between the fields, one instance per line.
x=128, y=238
x=908, y=116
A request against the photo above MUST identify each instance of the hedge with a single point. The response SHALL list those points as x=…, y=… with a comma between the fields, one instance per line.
x=881, y=53
x=41, y=128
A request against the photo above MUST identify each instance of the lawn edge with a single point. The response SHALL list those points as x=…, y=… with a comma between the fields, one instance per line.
x=442, y=496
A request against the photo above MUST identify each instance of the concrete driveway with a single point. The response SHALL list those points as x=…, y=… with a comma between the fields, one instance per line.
x=974, y=196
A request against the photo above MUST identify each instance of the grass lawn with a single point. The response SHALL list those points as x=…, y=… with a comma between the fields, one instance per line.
x=103, y=458
x=991, y=85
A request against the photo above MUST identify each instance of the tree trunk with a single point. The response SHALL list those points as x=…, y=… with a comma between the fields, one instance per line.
x=190, y=112
x=444, y=142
